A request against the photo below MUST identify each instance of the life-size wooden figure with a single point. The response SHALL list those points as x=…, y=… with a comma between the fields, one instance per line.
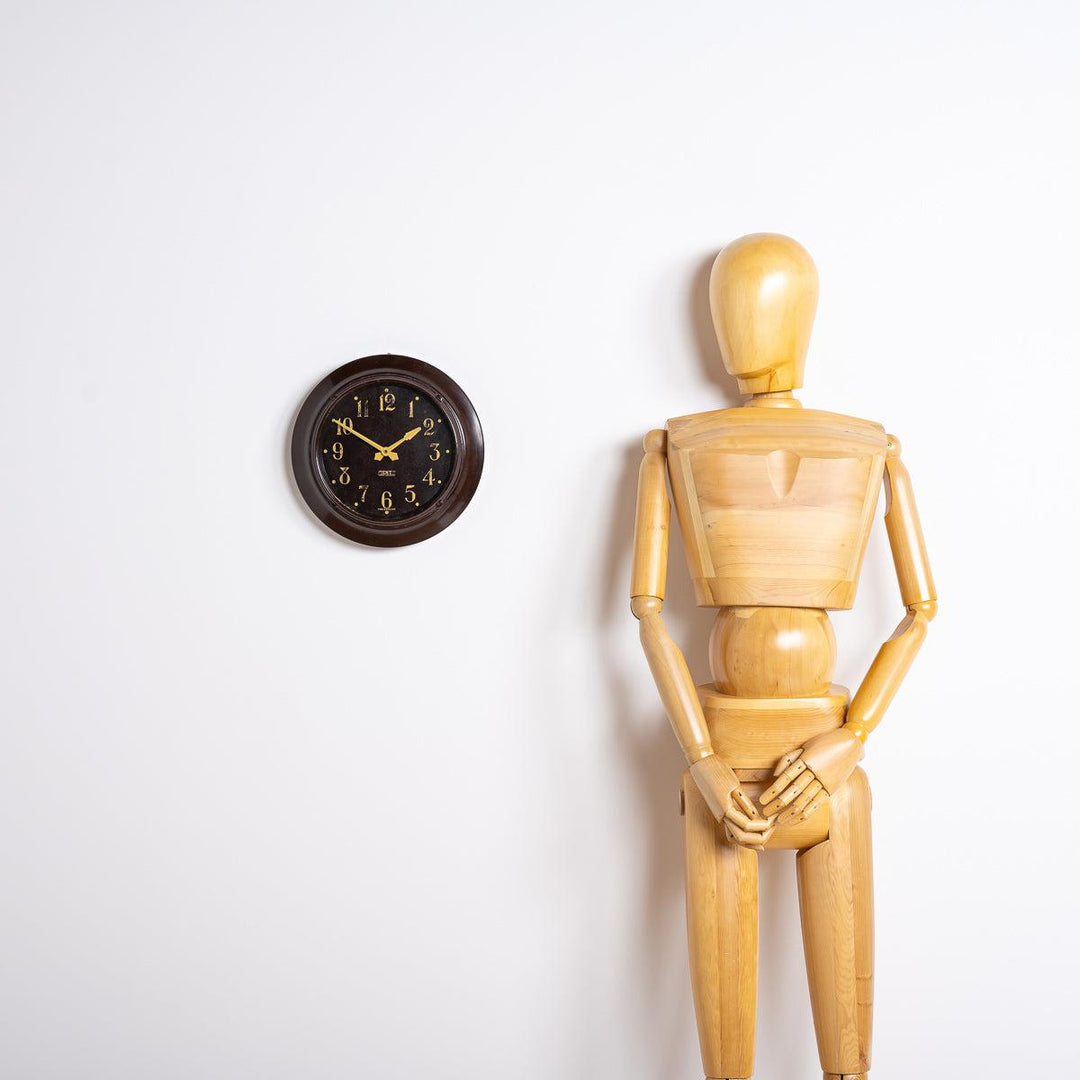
x=775, y=504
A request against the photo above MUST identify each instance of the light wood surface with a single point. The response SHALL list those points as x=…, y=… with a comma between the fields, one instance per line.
x=649, y=573
x=795, y=834
x=754, y=733
x=722, y=924
x=885, y=674
x=775, y=504
x=836, y=902
x=905, y=532
x=763, y=293
x=772, y=652
x=677, y=691
x=917, y=591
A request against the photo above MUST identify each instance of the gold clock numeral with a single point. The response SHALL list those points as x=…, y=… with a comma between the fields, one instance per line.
x=387, y=501
x=411, y=405
x=387, y=401
x=429, y=426
x=436, y=453
x=344, y=427
x=362, y=407
x=338, y=450
x=363, y=492
x=429, y=478
x=410, y=493
x=343, y=474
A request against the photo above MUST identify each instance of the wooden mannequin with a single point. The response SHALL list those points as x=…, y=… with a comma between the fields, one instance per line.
x=775, y=504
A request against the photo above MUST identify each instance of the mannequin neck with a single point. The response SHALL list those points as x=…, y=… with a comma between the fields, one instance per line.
x=777, y=399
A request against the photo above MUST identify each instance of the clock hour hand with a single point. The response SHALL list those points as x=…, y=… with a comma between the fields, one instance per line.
x=384, y=451
x=393, y=446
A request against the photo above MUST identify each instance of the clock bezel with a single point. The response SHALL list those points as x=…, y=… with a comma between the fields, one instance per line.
x=464, y=478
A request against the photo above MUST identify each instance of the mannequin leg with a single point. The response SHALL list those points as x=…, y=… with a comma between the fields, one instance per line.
x=836, y=900
x=722, y=921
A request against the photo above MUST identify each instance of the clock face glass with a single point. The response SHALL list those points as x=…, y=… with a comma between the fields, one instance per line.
x=386, y=450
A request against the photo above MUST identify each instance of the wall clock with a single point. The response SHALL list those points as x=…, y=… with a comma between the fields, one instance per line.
x=387, y=450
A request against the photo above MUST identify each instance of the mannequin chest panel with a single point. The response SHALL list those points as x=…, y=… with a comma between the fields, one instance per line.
x=775, y=506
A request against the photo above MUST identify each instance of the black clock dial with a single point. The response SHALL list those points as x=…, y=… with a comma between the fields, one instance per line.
x=387, y=450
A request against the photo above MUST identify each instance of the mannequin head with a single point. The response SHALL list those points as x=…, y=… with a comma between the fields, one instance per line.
x=763, y=294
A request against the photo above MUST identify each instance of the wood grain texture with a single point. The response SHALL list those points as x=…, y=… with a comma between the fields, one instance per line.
x=677, y=692
x=832, y=757
x=754, y=733
x=905, y=532
x=722, y=925
x=885, y=674
x=795, y=835
x=772, y=652
x=775, y=505
x=917, y=591
x=648, y=575
x=836, y=904
x=763, y=292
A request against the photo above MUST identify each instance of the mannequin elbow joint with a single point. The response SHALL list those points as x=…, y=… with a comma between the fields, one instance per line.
x=645, y=605
x=928, y=609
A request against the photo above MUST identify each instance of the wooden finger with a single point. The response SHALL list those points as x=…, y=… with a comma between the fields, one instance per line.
x=747, y=824
x=746, y=839
x=794, y=790
x=782, y=781
x=745, y=803
x=786, y=760
x=816, y=803
x=800, y=804
x=789, y=794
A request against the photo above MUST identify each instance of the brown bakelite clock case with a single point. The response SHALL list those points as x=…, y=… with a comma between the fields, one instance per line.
x=387, y=450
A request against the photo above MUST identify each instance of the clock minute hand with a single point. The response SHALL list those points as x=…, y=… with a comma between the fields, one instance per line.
x=383, y=450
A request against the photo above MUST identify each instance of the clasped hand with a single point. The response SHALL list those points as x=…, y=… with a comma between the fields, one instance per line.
x=731, y=806
x=806, y=778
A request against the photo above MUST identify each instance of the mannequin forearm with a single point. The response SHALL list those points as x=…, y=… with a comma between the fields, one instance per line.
x=917, y=592
x=886, y=674
x=673, y=681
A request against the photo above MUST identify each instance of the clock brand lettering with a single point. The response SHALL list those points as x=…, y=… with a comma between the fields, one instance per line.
x=387, y=472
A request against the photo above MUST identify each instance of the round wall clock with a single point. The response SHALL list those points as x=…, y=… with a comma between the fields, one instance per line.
x=387, y=450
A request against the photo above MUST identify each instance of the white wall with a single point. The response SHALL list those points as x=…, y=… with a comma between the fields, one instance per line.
x=277, y=806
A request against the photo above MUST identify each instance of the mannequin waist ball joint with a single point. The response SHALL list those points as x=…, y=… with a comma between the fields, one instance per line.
x=775, y=504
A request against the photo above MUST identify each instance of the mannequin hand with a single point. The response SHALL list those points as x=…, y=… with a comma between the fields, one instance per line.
x=805, y=778
x=796, y=793
x=719, y=786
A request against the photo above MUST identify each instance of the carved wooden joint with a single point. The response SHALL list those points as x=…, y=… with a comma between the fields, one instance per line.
x=646, y=605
